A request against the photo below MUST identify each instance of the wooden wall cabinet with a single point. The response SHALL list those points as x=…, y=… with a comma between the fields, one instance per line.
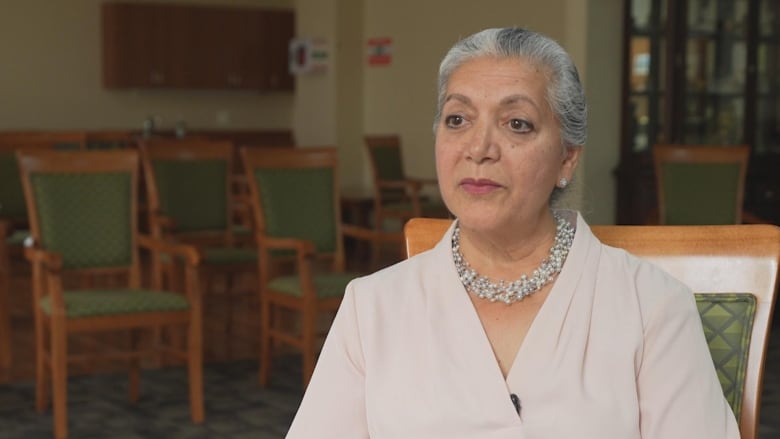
x=700, y=72
x=166, y=45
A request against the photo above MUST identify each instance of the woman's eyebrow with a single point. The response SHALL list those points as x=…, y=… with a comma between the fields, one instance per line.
x=458, y=97
x=513, y=99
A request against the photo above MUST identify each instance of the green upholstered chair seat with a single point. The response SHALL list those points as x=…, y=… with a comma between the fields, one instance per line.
x=17, y=237
x=93, y=303
x=327, y=284
x=728, y=322
x=230, y=255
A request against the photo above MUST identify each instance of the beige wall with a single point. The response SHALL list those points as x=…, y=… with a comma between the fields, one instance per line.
x=50, y=78
x=400, y=98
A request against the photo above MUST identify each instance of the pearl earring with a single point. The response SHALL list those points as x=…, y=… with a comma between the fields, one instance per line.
x=563, y=182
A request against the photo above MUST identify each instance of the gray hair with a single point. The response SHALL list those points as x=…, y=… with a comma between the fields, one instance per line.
x=565, y=94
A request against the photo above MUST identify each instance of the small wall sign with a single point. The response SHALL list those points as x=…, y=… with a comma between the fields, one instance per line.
x=380, y=51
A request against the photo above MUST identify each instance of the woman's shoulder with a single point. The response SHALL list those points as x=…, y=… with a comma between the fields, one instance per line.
x=407, y=274
x=653, y=287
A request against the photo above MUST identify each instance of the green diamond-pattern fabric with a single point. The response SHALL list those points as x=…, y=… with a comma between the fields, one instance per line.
x=86, y=218
x=298, y=203
x=93, y=303
x=728, y=322
x=326, y=284
x=700, y=193
x=193, y=193
x=12, y=205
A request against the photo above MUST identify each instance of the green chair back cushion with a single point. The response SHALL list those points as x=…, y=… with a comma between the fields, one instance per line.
x=700, y=193
x=94, y=303
x=194, y=193
x=728, y=323
x=299, y=203
x=12, y=205
x=86, y=218
x=387, y=161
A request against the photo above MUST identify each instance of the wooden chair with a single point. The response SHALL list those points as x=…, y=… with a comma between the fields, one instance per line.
x=14, y=227
x=733, y=270
x=82, y=211
x=295, y=205
x=65, y=140
x=396, y=195
x=190, y=198
x=700, y=184
x=106, y=139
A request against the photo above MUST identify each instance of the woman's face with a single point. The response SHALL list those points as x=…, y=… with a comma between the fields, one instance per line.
x=498, y=146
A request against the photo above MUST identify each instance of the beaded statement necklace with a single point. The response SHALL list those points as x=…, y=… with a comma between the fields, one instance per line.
x=510, y=292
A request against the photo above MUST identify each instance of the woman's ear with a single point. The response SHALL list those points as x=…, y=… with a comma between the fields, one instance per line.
x=571, y=158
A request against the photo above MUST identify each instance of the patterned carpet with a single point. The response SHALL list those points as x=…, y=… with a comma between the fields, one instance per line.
x=236, y=406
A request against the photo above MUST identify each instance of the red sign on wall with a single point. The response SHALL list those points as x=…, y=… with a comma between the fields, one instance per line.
x=380, y=51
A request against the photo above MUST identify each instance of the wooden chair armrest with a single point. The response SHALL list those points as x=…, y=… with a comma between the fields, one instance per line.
x=371, y=234
x=50, y=260
x=301, y=246
x=399, y=184
x=165, y=223
x=424, y=181
x=187, y=252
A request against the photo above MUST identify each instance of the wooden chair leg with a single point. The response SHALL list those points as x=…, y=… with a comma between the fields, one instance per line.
x=309, y=336
x=6, y=351
x=195, y=369
x=59, y=376
x=134, y=376
x=266, y=324
x=41, y=376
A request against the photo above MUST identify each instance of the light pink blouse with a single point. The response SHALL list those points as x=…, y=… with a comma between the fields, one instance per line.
x=616, y=351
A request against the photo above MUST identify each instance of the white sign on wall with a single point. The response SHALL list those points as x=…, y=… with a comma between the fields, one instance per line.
x=308, y=55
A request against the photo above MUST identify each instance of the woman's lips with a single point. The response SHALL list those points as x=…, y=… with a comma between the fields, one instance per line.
x=479, y=186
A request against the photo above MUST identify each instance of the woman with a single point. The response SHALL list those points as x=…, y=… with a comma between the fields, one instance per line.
x=519, y=323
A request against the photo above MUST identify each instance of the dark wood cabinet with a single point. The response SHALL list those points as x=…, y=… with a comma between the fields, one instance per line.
x=700, y=72
x=155, y=45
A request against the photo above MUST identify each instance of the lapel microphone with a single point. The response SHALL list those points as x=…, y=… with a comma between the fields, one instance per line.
x=515, y=402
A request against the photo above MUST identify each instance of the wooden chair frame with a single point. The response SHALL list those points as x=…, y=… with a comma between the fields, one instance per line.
x=10, y=142
x=306, y=256
x=701, y=154
x=712, y=259
x=164, y=227
x=47, y=271
x=412, y=186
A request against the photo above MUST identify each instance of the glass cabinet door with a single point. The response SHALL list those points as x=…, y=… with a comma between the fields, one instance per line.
x=767, y=126
x=647, y=52
x=715, y=50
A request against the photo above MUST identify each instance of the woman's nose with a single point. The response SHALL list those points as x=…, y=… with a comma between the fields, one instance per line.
x=483, y=145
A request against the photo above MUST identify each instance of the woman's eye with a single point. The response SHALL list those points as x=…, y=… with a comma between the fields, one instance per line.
x=453, y=121
x=520, y=125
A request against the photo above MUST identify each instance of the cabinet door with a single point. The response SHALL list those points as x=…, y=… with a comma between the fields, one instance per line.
x=714, y=82
x=767, y=126
x=278, y=30
x=196, y=46
x=646, y=79
x=133, y=52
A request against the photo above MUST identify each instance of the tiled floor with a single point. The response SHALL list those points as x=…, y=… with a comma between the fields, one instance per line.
x=236, y=406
